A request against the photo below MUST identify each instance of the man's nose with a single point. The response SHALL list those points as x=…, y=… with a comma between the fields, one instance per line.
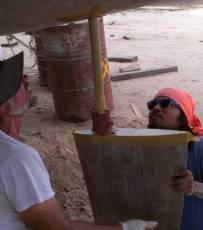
x=157, y=107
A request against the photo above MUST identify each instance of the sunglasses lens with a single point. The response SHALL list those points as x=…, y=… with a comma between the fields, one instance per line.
x=151, y=104
x=165, y=103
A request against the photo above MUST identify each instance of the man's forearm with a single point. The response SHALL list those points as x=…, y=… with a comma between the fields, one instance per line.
x=198, y=190
x=78, y=225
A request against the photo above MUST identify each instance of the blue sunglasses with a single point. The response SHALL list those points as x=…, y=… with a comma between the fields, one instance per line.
x=162, y=102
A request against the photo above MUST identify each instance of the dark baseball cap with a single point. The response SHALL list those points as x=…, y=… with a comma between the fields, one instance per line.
x=11, y=72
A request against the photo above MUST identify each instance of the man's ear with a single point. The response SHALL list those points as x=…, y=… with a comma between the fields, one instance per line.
x=183, y=123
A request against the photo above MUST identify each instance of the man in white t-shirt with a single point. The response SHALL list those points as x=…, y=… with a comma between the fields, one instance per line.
x=27, y=200
x=26, y=197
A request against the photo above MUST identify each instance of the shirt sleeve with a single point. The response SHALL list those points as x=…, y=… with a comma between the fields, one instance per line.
x=25, y=180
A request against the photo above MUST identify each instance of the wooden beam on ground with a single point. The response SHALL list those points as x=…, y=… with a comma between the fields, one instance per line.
x=11, y=44
x=130, y=68
x=123, y=59
x=142, y=73
x=138, y=114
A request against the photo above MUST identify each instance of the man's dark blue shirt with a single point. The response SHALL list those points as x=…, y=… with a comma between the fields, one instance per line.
x=192, y=218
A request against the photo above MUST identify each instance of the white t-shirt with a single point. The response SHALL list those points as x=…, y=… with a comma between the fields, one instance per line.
x=1, y=54
x=24, y=181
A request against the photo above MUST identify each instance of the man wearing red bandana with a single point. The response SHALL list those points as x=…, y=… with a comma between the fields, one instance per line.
x=174, y=109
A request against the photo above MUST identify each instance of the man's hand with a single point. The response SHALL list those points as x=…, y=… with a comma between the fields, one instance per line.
x=183, y=182
x=139, y=225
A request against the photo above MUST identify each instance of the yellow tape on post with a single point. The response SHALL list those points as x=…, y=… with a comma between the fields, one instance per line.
x=105, y=66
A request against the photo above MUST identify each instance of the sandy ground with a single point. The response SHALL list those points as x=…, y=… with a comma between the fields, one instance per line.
x=159, y=37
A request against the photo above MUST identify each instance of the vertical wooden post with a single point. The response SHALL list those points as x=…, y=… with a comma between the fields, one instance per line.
x=100, y=102
x=101, y=118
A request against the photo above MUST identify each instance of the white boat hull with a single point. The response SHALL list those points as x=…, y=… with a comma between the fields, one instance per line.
x=24, y=15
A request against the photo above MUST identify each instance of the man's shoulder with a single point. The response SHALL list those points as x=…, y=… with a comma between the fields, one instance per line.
x=11, y=148
x=197, y=146
x=200, y=141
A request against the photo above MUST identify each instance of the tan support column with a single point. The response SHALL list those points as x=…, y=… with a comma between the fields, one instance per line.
x=100, y=102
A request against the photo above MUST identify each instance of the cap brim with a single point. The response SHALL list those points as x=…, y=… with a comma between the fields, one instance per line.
x=11, y=71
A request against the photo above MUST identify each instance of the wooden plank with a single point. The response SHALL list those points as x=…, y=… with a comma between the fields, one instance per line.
x=130, y=68
x=123, y=59
x=142, y=73
x=139, y=116
x=11, y=44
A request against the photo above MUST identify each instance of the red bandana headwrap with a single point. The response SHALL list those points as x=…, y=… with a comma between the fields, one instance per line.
x=187, y=105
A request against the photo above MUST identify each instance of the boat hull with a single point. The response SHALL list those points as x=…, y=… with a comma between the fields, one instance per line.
x=24, y=15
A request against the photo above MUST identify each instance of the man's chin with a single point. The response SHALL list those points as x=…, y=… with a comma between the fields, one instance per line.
x=154, y=126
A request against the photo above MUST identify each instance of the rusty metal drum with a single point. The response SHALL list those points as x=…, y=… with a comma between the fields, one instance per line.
x=68, y=53
x=128, y=174
x=41, y=59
